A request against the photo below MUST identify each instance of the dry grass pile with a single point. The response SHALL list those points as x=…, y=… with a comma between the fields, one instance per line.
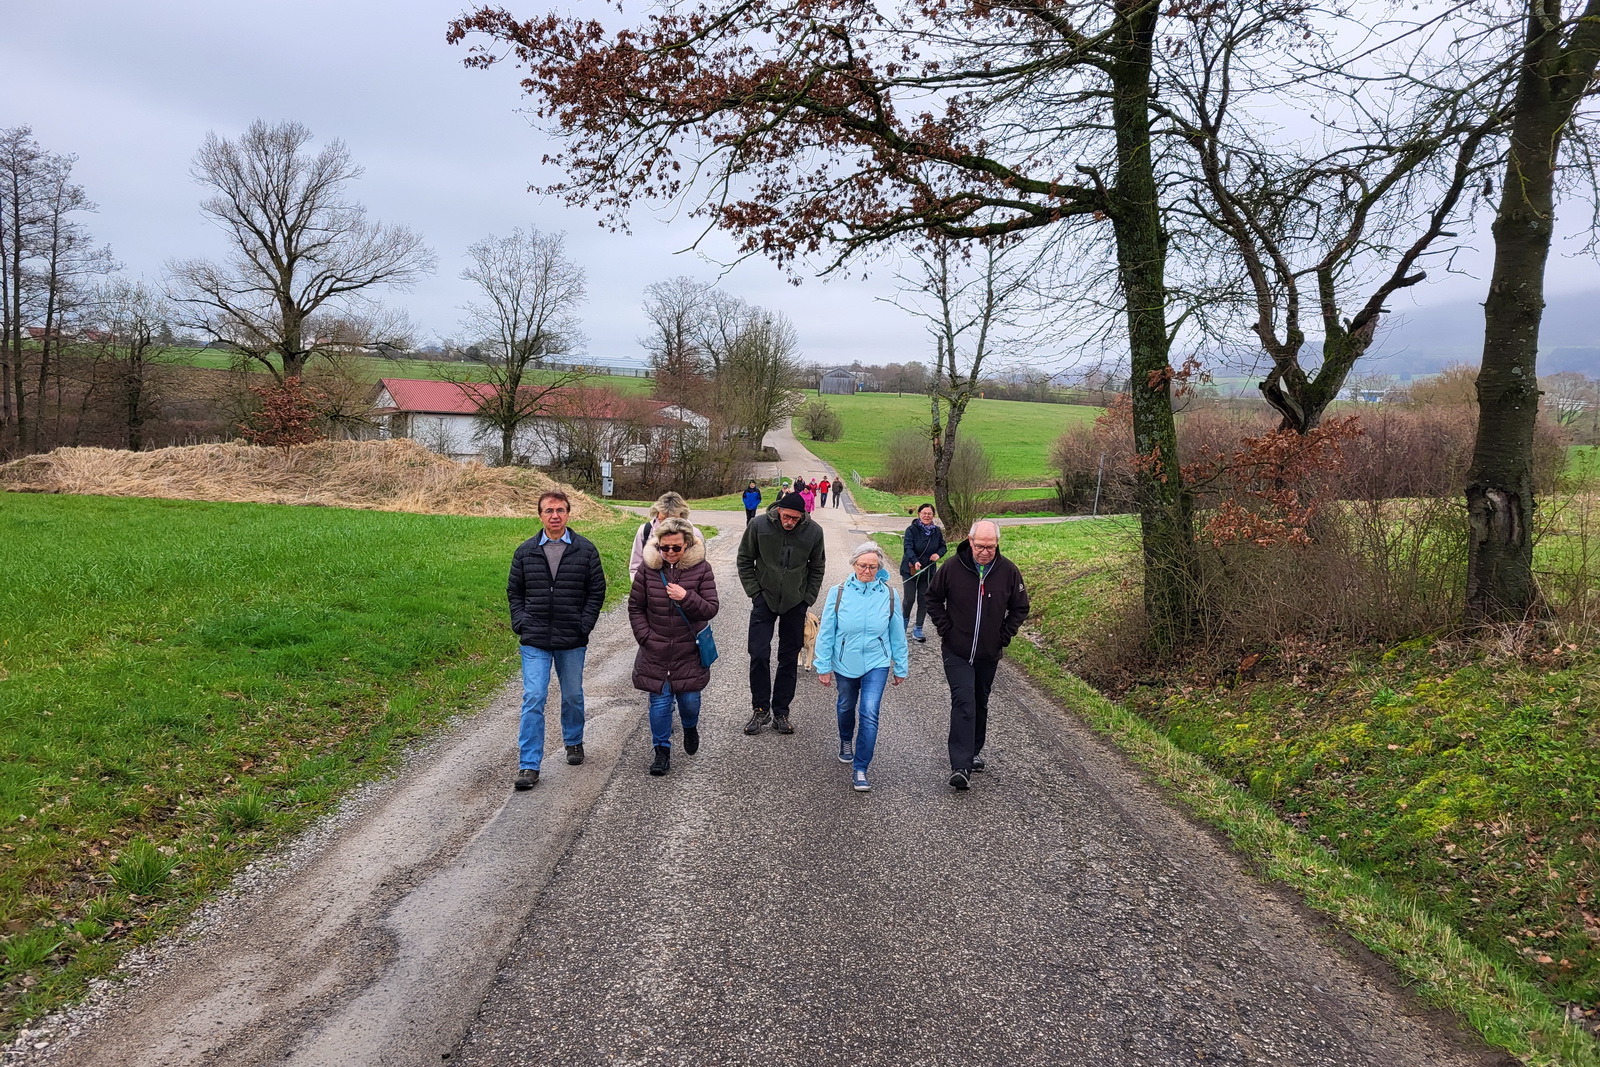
x=397, y=475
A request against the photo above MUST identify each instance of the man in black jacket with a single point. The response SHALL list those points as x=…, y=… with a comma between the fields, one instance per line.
x=977, y=602
x=781, y=563
x=556, y=590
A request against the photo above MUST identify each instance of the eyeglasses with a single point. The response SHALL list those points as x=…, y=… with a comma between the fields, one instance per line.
x=984, y=548
x=670, y=548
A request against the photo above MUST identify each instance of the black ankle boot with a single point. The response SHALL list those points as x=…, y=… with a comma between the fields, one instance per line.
x=659, y=765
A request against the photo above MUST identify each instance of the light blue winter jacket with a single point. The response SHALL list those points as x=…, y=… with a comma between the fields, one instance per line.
x=865, y=632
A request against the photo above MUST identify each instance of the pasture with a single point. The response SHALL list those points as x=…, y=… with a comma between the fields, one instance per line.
x=1016, y=435
x=184, y=684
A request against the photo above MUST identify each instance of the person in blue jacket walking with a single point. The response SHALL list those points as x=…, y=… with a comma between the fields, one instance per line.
x=752, y=501
x=924, y=548
x=861, y=639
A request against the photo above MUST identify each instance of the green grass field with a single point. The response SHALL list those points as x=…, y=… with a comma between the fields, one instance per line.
x=184, y=684
x=371, y=368
x=1016, y=435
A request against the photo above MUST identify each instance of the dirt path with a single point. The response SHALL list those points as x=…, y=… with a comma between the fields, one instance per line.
x=750, y=908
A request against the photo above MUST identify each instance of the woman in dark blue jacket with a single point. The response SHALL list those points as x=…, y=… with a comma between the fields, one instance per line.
x=924, y=548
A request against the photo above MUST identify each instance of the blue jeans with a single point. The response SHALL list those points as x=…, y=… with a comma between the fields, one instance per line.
x=661, y=713
x=866, y=690
x=536, y=664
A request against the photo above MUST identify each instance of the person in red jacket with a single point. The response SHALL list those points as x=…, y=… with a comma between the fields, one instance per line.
x=822, y=493
x=978, y=601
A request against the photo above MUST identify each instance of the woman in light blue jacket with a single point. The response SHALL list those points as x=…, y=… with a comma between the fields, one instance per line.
x=860, y=640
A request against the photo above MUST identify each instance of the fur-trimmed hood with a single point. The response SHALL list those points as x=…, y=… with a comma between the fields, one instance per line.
x=692, y=554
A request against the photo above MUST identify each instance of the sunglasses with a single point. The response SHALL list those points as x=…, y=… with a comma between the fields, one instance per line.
x=670, y=548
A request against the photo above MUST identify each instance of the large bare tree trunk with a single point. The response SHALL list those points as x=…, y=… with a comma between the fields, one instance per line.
x=1554, y=74
x=1165, y=510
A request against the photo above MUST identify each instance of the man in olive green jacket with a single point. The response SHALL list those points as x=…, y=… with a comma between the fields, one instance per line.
x=781, y=564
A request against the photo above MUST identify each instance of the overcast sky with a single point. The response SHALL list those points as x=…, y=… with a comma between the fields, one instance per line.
x=131, y=88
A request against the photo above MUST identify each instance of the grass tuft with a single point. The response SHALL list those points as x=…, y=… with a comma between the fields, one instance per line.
x=142, y=869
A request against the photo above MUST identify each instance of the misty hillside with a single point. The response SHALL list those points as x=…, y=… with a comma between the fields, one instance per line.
x=1422, y=340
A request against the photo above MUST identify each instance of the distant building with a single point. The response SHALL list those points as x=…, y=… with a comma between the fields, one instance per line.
x=838, y=381
x=443, y=416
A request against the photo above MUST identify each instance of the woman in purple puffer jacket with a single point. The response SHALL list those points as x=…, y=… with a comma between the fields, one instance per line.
x=674, y=596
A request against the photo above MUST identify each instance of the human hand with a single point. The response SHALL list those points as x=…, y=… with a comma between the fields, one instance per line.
x=915, y=567
x=676, y=591
x=896, y=680
x=825, y=679
x=934, y=558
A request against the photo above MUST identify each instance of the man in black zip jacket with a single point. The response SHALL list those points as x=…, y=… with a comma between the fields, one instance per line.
x=556, y=590
x=782, y=559
x=978, y=602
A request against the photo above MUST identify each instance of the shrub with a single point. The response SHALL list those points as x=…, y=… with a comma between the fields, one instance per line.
x=908, y=466
x=819, y=421
x=971, y=483
x=290, y=415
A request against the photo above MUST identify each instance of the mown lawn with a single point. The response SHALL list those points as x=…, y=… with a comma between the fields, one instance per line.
x=184, y=684
x=1016, y=435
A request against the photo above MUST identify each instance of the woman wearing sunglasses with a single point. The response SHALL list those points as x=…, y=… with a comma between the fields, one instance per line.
x=674, y=596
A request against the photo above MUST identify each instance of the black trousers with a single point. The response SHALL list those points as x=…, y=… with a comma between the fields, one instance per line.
x=969, y=706
x=749, y=516
x=916, y=592
x=767, y=690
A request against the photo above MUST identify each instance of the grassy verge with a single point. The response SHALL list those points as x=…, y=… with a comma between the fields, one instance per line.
x=1439, y=802
x=1496, y=1000
x=1016, y=435
x=184, y=685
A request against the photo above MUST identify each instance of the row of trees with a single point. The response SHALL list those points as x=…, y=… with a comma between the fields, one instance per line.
x=1132, y=141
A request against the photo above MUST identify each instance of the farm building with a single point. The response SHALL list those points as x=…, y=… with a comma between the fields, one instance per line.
x=443, y=416
x=839, y=381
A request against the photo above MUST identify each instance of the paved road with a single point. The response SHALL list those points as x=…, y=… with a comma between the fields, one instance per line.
x=749, y=908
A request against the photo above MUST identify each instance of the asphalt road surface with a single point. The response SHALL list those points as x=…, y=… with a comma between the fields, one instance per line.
x=750, y=908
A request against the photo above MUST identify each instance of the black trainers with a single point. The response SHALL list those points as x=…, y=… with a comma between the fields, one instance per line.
x=661, y=763
x=758, y=719
x=575, y=754
x=527, y=778
x=959, y=781
x=978, y=764
x=781, y=724
x=691, y=740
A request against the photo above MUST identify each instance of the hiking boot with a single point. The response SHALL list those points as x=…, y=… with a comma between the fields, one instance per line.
x=780, y=723
x=661, y=763
x=758, y=719
x=978, y=764
x=959, y=781
x=527, y=777
x=575, y=754
x=847, y=751
x=860, y=784
x=691, y=740
x=917, y=635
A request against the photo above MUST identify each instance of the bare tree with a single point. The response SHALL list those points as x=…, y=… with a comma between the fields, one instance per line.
x=968, y=308
x=676, y=309
x=304, y=259
x=127, y=350
x=1325, y=229
x=758, y=376
x=531, y=293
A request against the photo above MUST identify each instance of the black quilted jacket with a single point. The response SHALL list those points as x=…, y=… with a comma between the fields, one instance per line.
x=556, y=612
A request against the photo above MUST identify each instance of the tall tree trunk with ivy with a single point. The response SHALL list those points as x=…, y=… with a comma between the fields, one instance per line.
x=1559, y=60
x=1166, y=518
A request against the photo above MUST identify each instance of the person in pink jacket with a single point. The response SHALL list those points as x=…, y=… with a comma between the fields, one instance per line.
x=810, y=498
